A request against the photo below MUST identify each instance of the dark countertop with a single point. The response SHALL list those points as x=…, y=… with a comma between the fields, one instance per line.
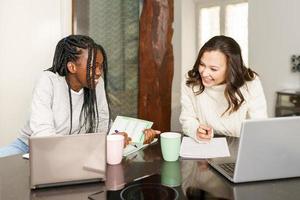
x=196, y=180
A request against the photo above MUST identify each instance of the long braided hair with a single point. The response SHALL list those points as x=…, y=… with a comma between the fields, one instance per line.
x=69, y=49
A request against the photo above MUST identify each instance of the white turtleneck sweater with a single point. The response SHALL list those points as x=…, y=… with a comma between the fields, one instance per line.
x=50, y=108
x=207, y=108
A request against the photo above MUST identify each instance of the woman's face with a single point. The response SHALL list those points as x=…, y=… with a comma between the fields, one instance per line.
x=80, y=79
x=212, y=68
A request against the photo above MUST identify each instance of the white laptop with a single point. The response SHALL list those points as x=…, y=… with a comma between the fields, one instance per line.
x=268, y=149
x=69, y=159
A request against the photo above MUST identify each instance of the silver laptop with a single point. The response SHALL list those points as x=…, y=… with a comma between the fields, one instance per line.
x=268, y=149
x=69, y=159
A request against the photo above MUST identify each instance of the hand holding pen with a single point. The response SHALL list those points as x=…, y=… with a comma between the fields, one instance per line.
x=127, y=139
x=204, y=133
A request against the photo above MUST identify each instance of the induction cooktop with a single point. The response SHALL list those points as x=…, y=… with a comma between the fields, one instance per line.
x=146, y=188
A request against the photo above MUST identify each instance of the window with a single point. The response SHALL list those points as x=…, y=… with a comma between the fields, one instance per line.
x=223, y=17
x=209, y=23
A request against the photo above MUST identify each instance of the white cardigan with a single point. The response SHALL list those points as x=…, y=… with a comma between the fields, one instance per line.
x=207, y=108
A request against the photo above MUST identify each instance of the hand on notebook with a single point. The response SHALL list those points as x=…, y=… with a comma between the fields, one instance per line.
x=150, y=134
x=127, y=139
x=204, y=133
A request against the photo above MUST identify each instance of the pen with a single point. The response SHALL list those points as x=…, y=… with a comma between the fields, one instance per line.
x=199, y=130
x=134, y=145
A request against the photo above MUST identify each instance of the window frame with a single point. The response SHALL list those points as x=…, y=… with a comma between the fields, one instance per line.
x=213, y=3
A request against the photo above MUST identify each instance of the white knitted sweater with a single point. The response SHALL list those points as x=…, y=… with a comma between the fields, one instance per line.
x=207, y=108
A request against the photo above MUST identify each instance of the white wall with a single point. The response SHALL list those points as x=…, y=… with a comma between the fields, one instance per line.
x=273, y=37
x=29, y=32
x=184, y=45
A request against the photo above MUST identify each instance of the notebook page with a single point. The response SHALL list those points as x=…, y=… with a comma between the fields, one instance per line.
x=217, y=147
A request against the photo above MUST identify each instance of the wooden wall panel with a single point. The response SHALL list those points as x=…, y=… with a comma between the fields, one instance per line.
x=156, y=63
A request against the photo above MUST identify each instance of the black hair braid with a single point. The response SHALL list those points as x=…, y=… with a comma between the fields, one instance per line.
x=90, y=108
x=93, y=83
x=71, y=109
x=105, y=71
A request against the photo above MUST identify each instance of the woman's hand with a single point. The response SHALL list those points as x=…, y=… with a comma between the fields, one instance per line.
x=127, y=140
x=204, y=133
x=150, y=134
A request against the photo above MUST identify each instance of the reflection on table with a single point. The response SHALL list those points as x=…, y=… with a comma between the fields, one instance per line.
x=192, y=179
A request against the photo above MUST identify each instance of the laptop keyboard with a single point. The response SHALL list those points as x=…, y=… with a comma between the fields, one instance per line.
x=228, y=167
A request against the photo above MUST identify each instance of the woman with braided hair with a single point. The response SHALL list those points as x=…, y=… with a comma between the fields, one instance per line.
x=70, y=97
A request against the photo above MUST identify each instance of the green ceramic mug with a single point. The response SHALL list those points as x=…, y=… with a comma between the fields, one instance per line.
x=170, y=145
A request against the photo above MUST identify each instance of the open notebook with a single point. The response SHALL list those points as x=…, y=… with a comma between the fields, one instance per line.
x=134, y=128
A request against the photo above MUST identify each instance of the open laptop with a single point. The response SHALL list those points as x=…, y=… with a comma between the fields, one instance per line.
x=67, y=159
x=268, y=149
